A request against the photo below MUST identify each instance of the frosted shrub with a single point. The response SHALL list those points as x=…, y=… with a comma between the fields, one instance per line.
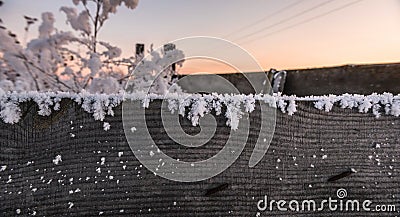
x=75, y=60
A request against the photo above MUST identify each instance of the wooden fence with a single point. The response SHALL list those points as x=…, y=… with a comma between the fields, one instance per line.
x=99, y=175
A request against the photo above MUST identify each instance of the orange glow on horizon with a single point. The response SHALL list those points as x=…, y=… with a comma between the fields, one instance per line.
x=205, y=66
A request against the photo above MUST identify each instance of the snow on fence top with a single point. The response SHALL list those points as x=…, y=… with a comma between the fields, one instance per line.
x=195, y=105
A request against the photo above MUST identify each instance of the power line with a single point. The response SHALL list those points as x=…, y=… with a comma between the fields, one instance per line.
x=304, y=21
x=286, y=20
x=263, y=19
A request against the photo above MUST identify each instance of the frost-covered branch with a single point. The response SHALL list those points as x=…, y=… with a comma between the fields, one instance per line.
x=69, y=61
x=102, y=9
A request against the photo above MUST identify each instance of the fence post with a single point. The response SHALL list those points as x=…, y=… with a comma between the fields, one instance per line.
x=139, y=53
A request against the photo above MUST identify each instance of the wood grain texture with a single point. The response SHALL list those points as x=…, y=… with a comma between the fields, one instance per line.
x=307, y=149
x=360, y=79
x=356, y=79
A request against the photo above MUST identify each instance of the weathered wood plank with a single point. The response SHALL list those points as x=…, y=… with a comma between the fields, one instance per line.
x=356, y=79
x=308, y=148
x=360, y=79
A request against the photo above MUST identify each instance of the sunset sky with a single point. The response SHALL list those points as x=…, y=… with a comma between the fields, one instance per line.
x=307, y=34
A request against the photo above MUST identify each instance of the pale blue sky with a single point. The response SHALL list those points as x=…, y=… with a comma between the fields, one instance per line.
x=366, y=32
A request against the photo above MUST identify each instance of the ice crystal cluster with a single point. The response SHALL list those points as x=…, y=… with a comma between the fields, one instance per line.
x=194, y=106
